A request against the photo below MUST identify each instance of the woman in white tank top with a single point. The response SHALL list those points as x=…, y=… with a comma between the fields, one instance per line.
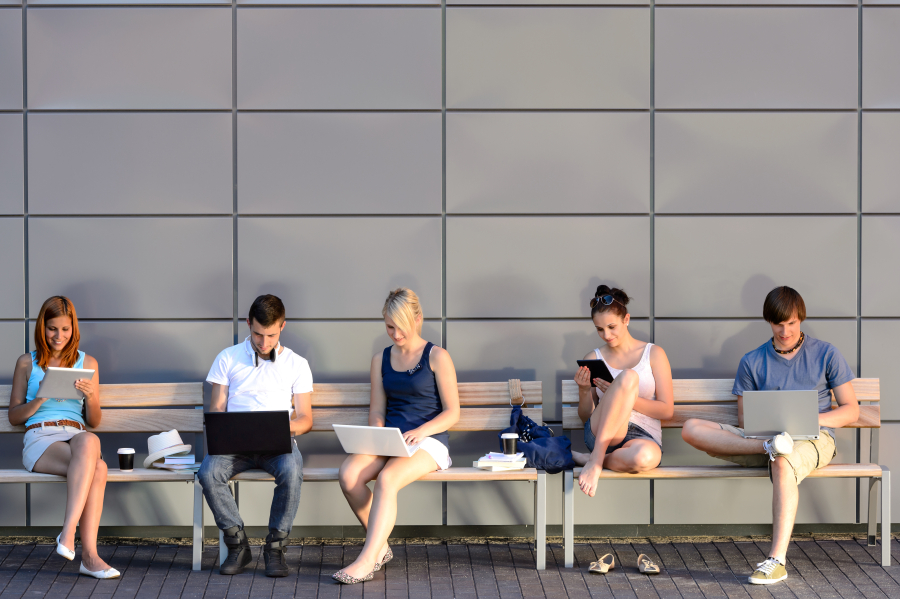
x=622, y=419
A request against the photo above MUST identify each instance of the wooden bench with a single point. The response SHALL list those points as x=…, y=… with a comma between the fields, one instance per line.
x=711, y=399
x=135, y=408
x=484, y=407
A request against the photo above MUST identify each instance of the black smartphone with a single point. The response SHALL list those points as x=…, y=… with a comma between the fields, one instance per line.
x=598, y=370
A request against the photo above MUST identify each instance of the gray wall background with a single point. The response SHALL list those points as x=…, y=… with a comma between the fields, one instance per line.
x=163, y=165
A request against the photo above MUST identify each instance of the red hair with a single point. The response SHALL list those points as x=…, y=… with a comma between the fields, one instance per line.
x=55, y=307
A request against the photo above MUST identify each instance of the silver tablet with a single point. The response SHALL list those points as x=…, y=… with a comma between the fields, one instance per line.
x=59, y=383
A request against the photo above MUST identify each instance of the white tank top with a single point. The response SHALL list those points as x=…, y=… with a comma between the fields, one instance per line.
x=646, y=389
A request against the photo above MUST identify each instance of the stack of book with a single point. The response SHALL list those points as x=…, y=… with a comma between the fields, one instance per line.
x=495, y=462
x=179, y=461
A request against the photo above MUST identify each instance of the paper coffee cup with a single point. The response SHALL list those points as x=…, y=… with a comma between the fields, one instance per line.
x=510, y=443
x=126, y=459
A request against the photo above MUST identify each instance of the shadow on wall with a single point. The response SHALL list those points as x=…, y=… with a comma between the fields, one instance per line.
x=754, y=292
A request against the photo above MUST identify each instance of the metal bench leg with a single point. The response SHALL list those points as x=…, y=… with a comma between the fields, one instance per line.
x=540, y=520
x=885, y=517
x=569, y=517
x=873, y=515
x=197, y=549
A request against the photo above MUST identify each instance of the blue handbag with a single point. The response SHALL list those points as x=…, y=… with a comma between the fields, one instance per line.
x=542, y=450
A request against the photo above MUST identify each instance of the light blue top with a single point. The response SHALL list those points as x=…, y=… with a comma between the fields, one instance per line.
x=52, y=409
x=818, y=365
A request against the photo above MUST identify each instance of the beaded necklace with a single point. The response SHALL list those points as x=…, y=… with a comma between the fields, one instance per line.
x=788, y=351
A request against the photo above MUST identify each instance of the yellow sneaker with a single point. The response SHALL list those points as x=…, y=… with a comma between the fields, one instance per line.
x=768, y=572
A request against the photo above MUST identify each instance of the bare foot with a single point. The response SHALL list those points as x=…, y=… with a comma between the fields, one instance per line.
x=580, y=458
x=590, y=474
x=94, y=563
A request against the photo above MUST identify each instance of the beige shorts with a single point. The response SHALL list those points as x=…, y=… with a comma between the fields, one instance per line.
x=37, y=440
x=806, y=457
x=438, y=451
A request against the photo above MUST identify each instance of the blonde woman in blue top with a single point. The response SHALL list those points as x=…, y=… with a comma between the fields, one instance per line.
x=56, y=441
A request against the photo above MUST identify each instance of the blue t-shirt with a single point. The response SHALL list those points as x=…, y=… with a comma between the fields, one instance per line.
x=818, y=365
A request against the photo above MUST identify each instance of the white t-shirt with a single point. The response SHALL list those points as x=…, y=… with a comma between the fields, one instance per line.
x=268, y=386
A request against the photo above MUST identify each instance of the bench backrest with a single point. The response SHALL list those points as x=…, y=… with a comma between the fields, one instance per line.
x=711, y=399
x=137, y=408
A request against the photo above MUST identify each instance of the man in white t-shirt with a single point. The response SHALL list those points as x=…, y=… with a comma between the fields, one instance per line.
x=259, y=374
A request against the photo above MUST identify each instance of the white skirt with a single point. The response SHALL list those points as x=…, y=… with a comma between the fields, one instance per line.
x=438, y=451
x=37, y=440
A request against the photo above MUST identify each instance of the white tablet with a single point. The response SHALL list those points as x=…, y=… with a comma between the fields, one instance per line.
x=59, y=383
x=373, y=440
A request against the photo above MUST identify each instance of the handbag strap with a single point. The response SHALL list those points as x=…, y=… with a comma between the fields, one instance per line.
x=515, y=392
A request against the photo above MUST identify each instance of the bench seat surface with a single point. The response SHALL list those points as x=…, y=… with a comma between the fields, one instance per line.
x=115, y=476
x=452, y=474
x=675, y=472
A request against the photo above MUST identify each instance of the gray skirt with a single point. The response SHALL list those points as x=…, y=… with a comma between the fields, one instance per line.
x=37, y=440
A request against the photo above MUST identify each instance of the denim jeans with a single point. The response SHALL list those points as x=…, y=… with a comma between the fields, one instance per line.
x=217, y=470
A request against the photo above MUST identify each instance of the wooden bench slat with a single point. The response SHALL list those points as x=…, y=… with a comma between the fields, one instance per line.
x=114, y=475
x=719, y=390
x=453, y=474
x=137, y=395
x=470, y=394
x=134, y=420
x=470, y=419
x=869, y=416
x=684, y=472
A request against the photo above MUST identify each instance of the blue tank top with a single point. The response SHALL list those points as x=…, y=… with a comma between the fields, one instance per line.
x=412, y=395
x=63, y=409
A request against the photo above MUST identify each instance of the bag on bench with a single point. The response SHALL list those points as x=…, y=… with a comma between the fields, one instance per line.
x=542, y=450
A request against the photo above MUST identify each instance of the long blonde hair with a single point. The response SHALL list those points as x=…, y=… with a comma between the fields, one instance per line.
x=402, y=305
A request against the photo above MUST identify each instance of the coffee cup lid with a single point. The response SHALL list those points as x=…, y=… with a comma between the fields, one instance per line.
x=126, y=450
x=509, y=436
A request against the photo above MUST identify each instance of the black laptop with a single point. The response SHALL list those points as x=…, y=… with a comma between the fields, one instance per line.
x=230, y=433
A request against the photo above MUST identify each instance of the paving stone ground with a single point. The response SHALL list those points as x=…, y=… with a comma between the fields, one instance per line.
x=692, y=569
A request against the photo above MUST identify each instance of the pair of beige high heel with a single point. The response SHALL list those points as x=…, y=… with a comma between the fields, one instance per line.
x=606, y=563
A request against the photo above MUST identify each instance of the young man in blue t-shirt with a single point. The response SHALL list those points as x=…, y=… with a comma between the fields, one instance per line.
x=791, y=360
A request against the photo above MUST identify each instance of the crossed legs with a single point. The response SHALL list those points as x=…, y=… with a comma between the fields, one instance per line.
x=609, y=423
x=711, y=438
x=79, y=461
x=377, y=511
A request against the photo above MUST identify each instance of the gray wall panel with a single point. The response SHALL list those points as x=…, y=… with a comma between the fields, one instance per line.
x=881, y=155
x=134, y=267
x=12, y=267
x=548, y=58
x=879, y=360
x=725, y=266
x=530, y=350
x=12, y=345
x=162, y=58
x=548, y=162
x=508, y=267
x=12, y=164
x=881, y=45
x=702, y=349
x=385, y=58
x=763, y=162
x=360, y=271
x=327, y=163
x=129, y=163
x=890, y=457
x=756, y=58
x=880, y=250
x=10, y=58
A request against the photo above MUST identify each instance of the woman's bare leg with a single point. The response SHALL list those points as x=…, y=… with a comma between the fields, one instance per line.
x=638, y=455
x=77, y=460
x=609, y=423
x=90, y=520
x=396, y=474
x=355, y=472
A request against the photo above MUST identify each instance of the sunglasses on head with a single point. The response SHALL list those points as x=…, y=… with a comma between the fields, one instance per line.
x=606, y=300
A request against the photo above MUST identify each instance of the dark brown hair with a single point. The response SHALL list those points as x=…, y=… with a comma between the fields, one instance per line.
x=55, y=307
x=781, y=303
x=266, y=310
x=620, y=300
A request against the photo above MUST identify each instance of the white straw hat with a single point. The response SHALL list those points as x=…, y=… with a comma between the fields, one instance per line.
x=164, y=444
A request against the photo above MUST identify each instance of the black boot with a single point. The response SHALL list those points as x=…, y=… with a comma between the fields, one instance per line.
x=273, y=553
x=238, y=551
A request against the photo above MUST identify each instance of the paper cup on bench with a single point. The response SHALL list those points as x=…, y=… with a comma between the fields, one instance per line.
x=164, y=444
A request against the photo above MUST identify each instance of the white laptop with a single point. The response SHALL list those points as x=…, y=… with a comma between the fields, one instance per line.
x=373, y=440
x=59, y=383
x=767, y=413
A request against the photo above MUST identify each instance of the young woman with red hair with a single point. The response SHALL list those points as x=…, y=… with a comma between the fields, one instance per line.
x=56, y=441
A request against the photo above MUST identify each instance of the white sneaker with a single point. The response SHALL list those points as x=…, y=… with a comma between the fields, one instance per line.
x=779, y=445
x=101, y=574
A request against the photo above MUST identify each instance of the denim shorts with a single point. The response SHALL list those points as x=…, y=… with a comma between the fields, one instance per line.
x=634, y=432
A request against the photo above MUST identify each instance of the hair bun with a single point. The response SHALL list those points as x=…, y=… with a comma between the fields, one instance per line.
x=617, y=293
